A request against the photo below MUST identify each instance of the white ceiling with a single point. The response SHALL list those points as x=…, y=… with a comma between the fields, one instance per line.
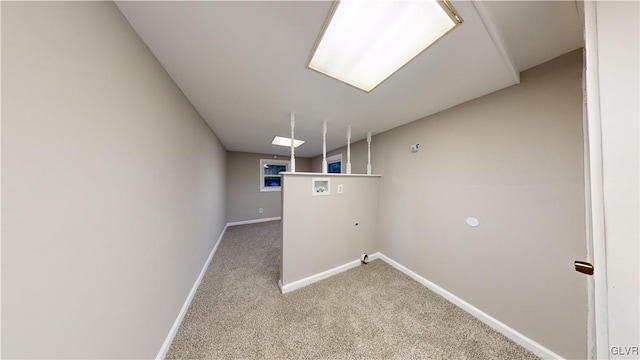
x=243, y=66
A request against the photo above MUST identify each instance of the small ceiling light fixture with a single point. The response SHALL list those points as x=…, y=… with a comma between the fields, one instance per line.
x=283, y=141
x=365, y=42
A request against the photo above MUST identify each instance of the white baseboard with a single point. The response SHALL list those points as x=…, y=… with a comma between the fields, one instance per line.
x=374, y=256
x=176, y=324
x=255, y=221
x=497, y=325
x=317, y=277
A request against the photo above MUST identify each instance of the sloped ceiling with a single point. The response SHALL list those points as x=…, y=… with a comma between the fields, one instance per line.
x=243, y=66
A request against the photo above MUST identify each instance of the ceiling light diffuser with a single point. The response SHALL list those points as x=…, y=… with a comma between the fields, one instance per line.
x=365, y=42
x=283, y=141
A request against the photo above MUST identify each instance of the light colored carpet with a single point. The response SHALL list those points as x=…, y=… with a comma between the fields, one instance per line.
x=372, y=311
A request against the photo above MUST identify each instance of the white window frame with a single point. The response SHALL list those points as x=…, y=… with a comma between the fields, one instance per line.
x=335, y=158
x=264, y=162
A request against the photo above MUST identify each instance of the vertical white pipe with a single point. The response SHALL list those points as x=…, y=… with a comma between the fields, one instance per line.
x=324, y=147
x=293, y=148
x=349, y=150
x=369, y=153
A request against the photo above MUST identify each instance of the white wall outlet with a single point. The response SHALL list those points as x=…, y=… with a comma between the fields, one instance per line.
x=261, y=210
x=340, y=189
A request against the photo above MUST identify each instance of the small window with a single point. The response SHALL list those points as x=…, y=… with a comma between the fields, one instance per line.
x=334, y=164
x=270, y=178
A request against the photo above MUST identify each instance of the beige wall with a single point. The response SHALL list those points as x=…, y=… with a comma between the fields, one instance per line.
x=514, y=160
x=320, y=232
x=243, y=187
x=113, y=187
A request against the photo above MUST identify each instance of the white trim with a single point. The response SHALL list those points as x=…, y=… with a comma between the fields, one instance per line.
x=348, y=151
x=187, y=302
x=331, y=174
x=494, y=323
x=271, y=189
x=369, y=153
x=489, y=25
x=324, y=147
x=374, y=256
x=293, y=148
x=264, y=162
x=254, y=221
x=1, y=203
x=334, y=158
x=597, y=292
x=591, y=320
x=317, y=277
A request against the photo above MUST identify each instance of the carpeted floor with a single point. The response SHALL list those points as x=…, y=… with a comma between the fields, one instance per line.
x=370, y=312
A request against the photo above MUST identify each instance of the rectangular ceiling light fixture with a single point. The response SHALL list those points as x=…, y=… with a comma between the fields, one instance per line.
x=365, y=42
x=283, y=141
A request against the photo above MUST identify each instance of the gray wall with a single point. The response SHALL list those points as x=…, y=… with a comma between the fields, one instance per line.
x=514, y=160
x=243, y=187
x=113, y=186
x=319, y=232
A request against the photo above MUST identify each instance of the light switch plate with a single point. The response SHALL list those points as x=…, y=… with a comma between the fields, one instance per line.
x=340, y=189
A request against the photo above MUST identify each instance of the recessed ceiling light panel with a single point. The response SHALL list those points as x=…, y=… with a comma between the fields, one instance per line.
x=365, y=42
x=283, y=141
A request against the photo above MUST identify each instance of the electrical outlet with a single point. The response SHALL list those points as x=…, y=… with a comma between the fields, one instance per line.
x=261, y=210
x=340, y=189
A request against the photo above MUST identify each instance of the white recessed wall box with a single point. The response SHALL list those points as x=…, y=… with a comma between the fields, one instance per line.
x=320, y=186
